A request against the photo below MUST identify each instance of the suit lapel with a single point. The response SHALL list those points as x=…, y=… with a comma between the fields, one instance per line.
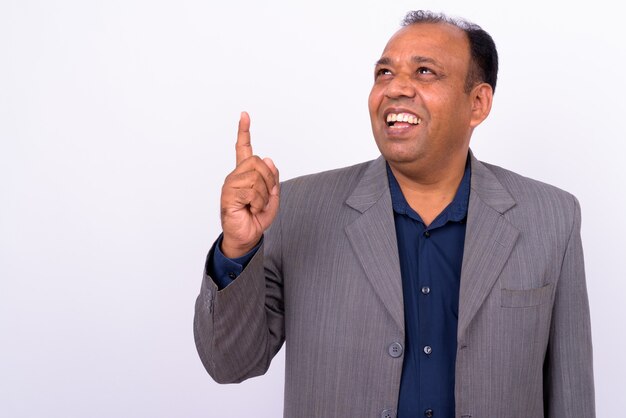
x=489, y=240
x=373, y=238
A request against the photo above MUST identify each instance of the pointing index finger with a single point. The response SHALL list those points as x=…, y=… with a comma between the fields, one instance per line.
x=243, y=147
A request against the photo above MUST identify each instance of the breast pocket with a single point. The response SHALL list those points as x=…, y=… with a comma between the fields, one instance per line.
x=525, y=298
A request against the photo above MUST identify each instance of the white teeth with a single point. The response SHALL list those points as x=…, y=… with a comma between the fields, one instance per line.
x=403, y=117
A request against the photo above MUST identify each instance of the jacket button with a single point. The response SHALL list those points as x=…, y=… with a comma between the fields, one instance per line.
x=387, y=413
x=427, y=350
x=395, y=350
x=425, y=290
x=429, y=413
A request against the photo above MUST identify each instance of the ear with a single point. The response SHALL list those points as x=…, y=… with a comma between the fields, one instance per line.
x=481, y=97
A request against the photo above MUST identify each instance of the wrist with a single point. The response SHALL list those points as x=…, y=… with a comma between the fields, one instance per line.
x=235, y=251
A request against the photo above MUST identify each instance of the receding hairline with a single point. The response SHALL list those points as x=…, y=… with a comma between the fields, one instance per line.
x=483, y=53
x=425, y=17
x=419, y=59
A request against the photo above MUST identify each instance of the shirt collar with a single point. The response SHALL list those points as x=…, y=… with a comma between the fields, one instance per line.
x=456, y=211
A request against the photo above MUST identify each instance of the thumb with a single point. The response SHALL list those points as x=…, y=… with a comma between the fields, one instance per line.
x=270, y=164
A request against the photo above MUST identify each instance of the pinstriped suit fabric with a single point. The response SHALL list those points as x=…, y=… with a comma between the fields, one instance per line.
x=327, y=281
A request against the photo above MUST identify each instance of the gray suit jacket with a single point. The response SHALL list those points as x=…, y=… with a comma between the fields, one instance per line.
x=327, y=281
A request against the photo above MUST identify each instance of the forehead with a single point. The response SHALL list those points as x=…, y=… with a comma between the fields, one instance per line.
x=442, y=42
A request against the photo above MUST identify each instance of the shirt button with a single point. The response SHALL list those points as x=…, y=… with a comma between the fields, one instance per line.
x=395, y=350
x=427, y=234
x=429, y=413
x=425, y=290
x=428, y=349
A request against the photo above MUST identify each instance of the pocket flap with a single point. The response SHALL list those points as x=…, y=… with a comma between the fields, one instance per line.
x=525, y=298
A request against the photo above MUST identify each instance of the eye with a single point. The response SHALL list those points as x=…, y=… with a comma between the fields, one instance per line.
x=382, y=71
x=425, y=71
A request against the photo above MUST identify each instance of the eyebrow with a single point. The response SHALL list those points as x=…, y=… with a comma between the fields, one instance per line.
x=416, y=59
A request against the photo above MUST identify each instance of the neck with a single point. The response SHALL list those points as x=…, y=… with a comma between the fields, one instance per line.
x=428, y=190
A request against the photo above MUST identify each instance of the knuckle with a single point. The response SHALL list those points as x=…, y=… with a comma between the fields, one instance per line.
x=258, y=162
x=249, y=160
x=241, y=175
x=234, y=175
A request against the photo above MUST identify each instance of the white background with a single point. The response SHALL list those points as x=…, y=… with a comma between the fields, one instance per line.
x=117, y=125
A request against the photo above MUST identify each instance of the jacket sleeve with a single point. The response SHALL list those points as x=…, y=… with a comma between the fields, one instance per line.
x=240, y=328
x=568, y=368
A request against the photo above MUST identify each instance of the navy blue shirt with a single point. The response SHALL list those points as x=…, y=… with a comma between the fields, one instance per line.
x=224, y=270
x=430, y=263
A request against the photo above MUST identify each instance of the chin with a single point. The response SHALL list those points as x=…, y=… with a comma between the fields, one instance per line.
x=397, y=153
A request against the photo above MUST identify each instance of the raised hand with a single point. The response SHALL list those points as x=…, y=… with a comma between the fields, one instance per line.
x=250, y=196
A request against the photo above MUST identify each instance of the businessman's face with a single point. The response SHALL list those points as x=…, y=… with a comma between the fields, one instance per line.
x=419, y=107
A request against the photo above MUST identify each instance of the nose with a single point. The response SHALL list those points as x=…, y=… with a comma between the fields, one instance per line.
x=400, y=86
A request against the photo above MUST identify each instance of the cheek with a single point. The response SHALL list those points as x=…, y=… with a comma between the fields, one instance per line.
x=444, y=108
x=374, y=99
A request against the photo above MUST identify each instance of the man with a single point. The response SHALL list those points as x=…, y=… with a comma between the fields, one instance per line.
x=423, y=283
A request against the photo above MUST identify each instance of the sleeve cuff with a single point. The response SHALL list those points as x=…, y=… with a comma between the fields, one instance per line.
x=224, y=270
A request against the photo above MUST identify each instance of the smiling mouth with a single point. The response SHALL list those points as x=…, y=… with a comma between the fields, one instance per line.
x=402, y=120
